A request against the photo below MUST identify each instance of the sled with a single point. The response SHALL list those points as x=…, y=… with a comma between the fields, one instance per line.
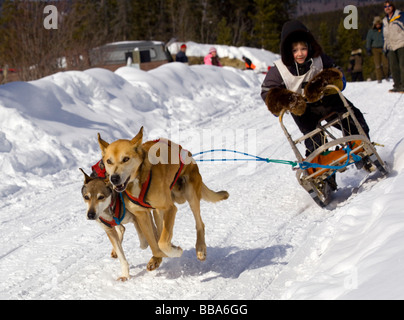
x=339, y=148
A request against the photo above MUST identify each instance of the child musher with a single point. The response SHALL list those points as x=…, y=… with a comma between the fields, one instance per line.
x=297, y=83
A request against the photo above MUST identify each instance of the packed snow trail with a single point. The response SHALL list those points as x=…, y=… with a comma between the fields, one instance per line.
x=269, y=240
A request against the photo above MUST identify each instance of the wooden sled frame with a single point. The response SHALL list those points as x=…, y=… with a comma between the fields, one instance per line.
x=314, y=181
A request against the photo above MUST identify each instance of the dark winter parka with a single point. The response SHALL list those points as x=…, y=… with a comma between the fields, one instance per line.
x=295, y=31
x=374, y=38
x=181, y=57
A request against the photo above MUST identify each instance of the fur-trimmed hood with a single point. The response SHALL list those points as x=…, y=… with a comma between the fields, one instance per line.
x=377, y=20
x=294, y=31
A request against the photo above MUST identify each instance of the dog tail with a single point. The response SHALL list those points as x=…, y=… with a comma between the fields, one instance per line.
x=212, y=196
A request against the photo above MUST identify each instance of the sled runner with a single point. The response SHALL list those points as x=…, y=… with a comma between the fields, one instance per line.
x=338, y=149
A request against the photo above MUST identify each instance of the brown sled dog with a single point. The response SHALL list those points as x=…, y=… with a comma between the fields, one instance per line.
x=154, y=175
x=103, y=205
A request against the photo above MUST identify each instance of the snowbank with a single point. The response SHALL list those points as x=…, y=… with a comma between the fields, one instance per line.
x=260, y=57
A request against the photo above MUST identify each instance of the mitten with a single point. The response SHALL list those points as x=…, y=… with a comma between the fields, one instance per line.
x=279, y=98
x=316, y=88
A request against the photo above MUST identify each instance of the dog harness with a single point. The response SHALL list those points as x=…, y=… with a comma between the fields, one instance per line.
x=140, y=201
x=118, y=210
x=100, y=171
x=177, y=175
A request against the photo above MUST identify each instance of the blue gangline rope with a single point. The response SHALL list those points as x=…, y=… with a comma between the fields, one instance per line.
x=304, y=165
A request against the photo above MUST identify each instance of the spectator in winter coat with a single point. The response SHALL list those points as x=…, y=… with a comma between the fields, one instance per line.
x=212, y=59
x=181, y=55
x=356, y=63
x=297, y=83
x=393, y=31
x=248, y=64
x=374, y=46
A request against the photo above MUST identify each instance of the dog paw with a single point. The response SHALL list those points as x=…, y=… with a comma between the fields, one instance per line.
x=122, y=279
x=201, y=256
x=201, y=253
x=170, y=250
x=113, y=254
x=154, y=263
x=174, y=252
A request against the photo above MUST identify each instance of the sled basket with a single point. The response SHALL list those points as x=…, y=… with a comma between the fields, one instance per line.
x=343, y=142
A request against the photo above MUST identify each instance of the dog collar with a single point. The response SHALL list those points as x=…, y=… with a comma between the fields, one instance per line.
x=118, y=213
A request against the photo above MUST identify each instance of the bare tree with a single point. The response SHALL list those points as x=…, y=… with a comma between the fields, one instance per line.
x=27, y=45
